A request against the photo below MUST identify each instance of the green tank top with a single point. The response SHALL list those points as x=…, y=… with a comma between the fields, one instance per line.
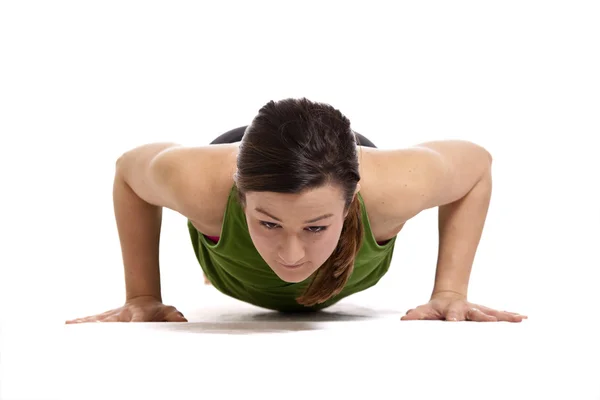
x=235, y=268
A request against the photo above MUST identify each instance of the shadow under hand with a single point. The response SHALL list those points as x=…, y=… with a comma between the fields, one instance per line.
x=249, y=322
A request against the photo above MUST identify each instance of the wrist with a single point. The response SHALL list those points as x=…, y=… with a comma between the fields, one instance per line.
x=448, y=293
x=132, y=297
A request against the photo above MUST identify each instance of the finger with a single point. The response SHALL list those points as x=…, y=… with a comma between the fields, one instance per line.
x=175, y=316
x=455, y=312
x=507, y=317
x=171, y=314
x=413, y=315
x=491, y=311
x=476, y=315
x=91, y=318
x=424, y=312
x=503, y=315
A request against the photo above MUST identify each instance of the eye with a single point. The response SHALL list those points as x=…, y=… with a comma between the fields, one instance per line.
x=316, y=229
x=268, y=225
x=311, y=229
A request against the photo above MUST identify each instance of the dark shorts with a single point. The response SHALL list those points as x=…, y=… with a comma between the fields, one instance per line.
x=235, y=135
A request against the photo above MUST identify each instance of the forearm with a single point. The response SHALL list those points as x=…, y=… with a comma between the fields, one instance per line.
x=138, y=224
x=460, y=226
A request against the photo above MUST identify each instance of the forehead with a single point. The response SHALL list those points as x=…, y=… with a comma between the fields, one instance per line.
x=325, y=198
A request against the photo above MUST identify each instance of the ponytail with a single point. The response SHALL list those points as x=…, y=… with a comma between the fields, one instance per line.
x=332, y=276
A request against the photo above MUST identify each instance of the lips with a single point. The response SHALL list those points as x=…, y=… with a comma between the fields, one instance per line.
x=292, y=266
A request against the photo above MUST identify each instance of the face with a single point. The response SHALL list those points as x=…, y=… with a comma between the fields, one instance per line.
x=295, y=233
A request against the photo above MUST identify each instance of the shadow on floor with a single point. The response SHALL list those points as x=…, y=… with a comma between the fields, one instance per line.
x=264, y=321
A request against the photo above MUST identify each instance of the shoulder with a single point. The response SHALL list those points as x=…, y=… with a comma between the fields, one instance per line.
x=393, y=183
x=201, y=178
x=401, y=183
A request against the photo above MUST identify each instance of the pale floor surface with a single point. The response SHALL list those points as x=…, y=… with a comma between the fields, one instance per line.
x=229, y=350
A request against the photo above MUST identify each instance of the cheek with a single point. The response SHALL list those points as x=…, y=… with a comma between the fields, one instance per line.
x=328, y=242
x=261, y=239
x=320, y=247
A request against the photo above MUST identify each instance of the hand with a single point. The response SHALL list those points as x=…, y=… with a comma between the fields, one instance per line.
x=139, y=309
x=456, y=308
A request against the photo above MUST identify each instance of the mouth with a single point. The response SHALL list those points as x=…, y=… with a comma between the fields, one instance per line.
x=296, y=266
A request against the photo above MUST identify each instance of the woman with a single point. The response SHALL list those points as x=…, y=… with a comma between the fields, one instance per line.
x=296, y=212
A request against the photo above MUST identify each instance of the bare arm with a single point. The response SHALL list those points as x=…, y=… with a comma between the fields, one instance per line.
x=454, y=176
x=157, y=175
x=140, y=191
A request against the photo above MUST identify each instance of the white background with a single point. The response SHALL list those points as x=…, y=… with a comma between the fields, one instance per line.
x=81, y=82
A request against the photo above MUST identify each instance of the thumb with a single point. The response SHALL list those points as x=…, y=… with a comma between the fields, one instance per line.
x=175, y=316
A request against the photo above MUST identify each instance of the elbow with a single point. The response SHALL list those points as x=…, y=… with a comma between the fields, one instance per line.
x=120, y=163
x=489, y=156
x=119, y=160
x=125, y=158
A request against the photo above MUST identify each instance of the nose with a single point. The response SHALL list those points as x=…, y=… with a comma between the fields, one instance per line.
x=291, y=251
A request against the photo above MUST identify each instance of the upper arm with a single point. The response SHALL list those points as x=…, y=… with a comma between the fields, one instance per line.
x=143, y=171
x=433, y=173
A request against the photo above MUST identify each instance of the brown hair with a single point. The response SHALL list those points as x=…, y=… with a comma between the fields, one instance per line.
x=295, y=145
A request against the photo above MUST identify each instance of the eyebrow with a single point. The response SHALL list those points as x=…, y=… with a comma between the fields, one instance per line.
x=260, y=210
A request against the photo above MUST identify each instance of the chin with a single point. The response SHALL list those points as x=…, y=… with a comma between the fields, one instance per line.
x=292, y=276
x=292, y=279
